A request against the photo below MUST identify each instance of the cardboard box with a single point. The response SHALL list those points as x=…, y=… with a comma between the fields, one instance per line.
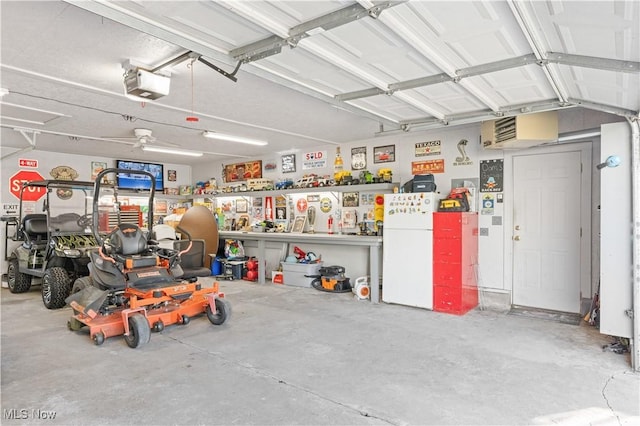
x=294, y=274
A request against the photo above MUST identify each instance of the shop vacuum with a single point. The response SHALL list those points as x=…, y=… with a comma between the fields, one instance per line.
x=331, y=280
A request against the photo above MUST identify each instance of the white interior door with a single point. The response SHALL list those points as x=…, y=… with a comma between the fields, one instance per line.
x=546, y=234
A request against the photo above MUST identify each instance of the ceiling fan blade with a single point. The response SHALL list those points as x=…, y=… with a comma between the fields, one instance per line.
x=114, y=140
x=164, y=143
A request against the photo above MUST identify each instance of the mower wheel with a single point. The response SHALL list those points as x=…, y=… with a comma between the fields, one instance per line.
x=139, y=331
x=223, y=312
x=18, y=282
x=56, y=286
x=185, y=320
x=98, y=338
x=158, y=326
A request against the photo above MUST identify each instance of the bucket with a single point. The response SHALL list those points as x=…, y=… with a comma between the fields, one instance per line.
x=216, y=266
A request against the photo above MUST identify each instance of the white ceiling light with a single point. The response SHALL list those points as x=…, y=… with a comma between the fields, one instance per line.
x=172, y=151
x=577, y=136
x=232, y=138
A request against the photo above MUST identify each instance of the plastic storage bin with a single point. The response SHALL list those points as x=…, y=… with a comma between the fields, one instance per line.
x=294, y=273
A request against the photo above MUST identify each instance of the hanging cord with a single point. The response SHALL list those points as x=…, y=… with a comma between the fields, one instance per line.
x=192, y=117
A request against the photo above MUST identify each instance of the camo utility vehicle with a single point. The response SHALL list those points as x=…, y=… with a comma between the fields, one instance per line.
x=54, y=244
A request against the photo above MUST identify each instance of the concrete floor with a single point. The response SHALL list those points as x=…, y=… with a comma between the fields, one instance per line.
x=298, y=356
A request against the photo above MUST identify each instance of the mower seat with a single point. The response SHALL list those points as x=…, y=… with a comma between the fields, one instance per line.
x=130, y=246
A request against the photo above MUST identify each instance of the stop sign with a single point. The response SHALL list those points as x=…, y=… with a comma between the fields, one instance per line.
x=30, y=194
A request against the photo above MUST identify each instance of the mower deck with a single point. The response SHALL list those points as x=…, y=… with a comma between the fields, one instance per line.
x=161, y=306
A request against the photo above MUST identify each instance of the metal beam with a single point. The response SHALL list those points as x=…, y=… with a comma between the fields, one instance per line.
x=496, y=66
x=535, y=40
x=593, y=62
x=420, y=82
x=443, y=78
x=627, y=113
x=273, y=45
x=374, y=91
x=635, y=202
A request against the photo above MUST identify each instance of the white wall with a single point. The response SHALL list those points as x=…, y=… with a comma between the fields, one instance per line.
x=491, y=246
x=49, y=160
x=494, y=247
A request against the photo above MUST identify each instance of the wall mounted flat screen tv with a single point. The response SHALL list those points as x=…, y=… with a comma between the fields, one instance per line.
x=139, y=181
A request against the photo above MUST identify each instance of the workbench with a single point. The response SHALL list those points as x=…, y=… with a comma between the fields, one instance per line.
x=374, y=243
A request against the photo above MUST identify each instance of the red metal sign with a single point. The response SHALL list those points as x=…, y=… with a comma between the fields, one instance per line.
x=28, y=163
x=429, y=166
x=30, y=194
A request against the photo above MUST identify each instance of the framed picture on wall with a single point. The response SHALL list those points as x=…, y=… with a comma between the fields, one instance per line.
x=241, y=205
x=242, y=171
x=298, y=224
x=350, y=199
x=97, y=167
x=384, y=154
x=288, y=163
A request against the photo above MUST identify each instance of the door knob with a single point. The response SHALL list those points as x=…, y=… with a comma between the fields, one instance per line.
x=517, y=227
x=516, y=238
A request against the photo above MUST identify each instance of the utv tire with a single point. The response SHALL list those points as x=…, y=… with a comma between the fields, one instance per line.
x=223, y=312
x=139, y=331
x=56, y=286
x=17, y=281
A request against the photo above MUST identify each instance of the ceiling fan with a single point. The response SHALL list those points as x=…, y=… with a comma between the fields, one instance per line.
x=141, y=138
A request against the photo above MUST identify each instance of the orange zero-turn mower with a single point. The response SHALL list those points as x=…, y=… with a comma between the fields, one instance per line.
x=134, y=287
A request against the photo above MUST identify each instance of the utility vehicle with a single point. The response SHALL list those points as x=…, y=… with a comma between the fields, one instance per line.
x=54, y=244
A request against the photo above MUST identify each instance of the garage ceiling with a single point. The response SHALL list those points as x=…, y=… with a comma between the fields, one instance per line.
x=306, y=73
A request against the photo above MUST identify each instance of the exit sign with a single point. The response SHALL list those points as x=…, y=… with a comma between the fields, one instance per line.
x=28, y=163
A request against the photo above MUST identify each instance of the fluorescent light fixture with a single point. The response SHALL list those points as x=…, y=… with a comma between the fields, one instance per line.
x=577, y=136
x=232, y=138
x=172, y=151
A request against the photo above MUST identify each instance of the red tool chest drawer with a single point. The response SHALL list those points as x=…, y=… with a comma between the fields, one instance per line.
x=455, y=259
x=446, y=249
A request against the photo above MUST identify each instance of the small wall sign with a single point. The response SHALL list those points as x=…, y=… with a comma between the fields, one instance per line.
x=288, y=163
x=427, y=166
x=428, y=148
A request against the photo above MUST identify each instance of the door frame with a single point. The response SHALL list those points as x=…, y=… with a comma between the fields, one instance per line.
x=586, y=209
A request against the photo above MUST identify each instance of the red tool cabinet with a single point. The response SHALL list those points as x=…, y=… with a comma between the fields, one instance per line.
x=455, y=258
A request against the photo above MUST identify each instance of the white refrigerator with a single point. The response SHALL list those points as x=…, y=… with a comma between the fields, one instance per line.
x=407, y=244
